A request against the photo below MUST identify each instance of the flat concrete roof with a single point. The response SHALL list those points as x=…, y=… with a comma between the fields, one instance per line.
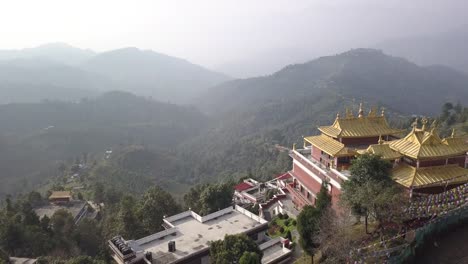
x=192, y=236
x=74, y=207
x=274, y=252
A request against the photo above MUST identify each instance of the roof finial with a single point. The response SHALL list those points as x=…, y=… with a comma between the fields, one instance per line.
x=360, y=112
x=383, y=111
x=372, y=111
x=338, y=115
x=453, y=133
x=424, y=122
x=380, y=140
x=294, y=146
x=434, y=124
x=415, y=124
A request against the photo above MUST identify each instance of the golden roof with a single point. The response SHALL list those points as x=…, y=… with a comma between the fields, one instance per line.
x=422, y=144
x=350, y=126
x=60, y=194
x=409, y=176
x=383, y=150
x=329, y=145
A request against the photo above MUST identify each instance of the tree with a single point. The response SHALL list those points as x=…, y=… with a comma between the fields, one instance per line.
x=250, y=258
x=155, y=204
x=62, y=222
x=209, y=198
x=98, y=193
x=335, y=236
x=34, y=198
x=128, y=224
x=370, y=190
x=309, y=218
x=232, y=248
x=88, y=237
x=4, y=257
x=323, y=200
x=307, y=227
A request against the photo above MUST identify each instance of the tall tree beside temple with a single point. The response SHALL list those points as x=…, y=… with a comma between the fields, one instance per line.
x=370, y=191
x=309, y=219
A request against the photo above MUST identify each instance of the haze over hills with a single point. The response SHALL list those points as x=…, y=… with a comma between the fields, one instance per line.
x=147, y=72
x=62, y=72
x=446, y=48
x=57, y=52
x=247, y=116
x=363, y=74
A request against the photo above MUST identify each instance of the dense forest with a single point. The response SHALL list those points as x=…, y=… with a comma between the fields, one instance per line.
x=238, y=133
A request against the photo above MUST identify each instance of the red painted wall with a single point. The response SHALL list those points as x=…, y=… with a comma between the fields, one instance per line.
x=306, y=180
x=360, y=141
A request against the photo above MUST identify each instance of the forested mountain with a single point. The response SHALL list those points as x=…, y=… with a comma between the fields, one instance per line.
x=164, y=143
x=150, y=73
x=35, y=137
x=57, y=52
x=59, y=71
x=446, y=48
x=254, y=114
x=32, y=80
x=363, y=74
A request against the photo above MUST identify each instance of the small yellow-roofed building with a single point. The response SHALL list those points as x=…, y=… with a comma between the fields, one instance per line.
x=60, y=197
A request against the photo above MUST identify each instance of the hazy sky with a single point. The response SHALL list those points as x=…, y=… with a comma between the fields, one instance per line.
x=217, y=33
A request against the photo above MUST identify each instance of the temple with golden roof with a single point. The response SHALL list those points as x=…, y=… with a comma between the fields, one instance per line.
x=423, y=162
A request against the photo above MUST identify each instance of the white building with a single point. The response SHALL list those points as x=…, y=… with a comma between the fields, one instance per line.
x=188, y=236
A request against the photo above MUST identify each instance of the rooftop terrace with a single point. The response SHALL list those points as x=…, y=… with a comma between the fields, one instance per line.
x=192, y=233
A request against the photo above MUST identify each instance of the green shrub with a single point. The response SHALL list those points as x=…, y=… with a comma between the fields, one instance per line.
x=281, y=229
x=285, y=216
x=294, y=222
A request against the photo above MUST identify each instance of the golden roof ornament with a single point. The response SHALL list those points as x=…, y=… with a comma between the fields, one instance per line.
x=338, y=115
x=383, y=111
x=294, y=146
x=424, y=122
x=360, y=112
x=453, y=133
x=434, y=124
x=415, y=124
x=380, y=140
x=373, y=111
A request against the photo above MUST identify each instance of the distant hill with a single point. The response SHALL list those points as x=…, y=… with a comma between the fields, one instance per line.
x=445, y=48
x=362, y=74
x=32, y=80
x=154, y=74
x=255, y=114
x=57, y=52
x=61, y=72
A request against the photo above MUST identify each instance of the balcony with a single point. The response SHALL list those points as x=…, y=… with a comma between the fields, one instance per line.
x=298, y=199
x=318, y=168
